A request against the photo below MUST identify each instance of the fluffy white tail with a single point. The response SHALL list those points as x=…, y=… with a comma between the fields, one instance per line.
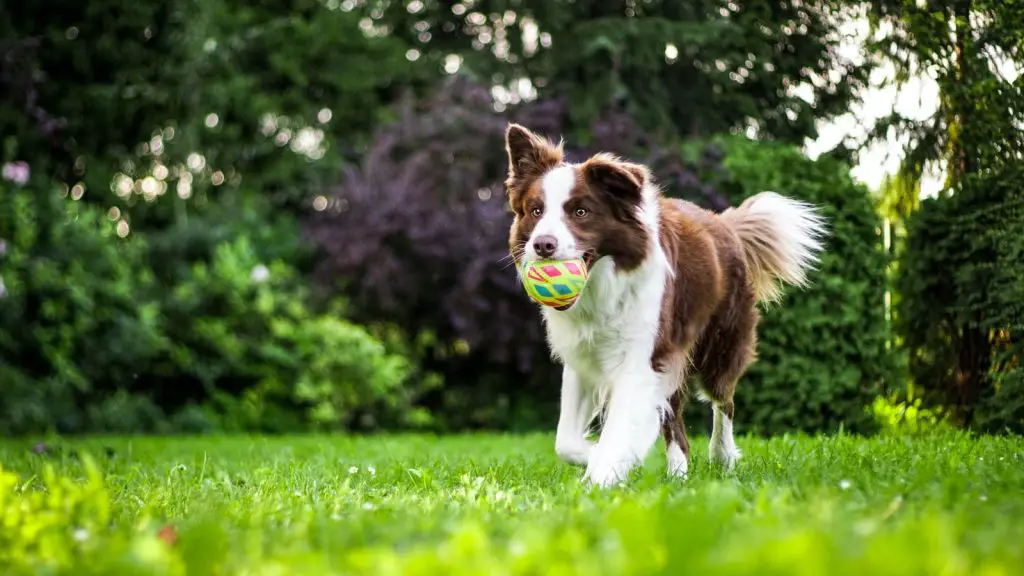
x=781, y=240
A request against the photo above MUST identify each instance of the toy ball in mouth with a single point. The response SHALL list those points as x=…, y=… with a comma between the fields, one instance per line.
x=555, y=283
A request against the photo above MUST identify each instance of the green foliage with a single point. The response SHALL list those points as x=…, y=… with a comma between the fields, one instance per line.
x=961, y=312
x=963, y=46
x=247, y=325
x=40, y=527
x=505, y=505
x=690, y=69
x=211, y=99
x=959, y=281
x=189, y=125
x=822, y=352
x=1002, y=408
x=76, y=319
x=910, y=417
x=92, y=341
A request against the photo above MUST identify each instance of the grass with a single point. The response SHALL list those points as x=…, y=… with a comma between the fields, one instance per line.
x=938, y=505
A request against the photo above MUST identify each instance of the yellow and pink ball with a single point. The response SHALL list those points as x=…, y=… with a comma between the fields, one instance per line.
x=554, y=283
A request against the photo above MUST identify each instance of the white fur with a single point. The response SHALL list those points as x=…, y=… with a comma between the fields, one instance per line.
x=577, y=411
x=671, y=379
x=799, y=228
x=723, y=447
x=557, y=186
x=782, y=238
x=677, y=462
x=606, y=340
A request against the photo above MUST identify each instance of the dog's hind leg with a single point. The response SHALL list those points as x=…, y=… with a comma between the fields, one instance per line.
x=728, y=355
x=673, y=427
x=677, y=446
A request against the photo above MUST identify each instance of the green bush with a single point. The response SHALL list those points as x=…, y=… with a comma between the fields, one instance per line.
x=961, y=305
x=93, y=340
x=244, y=329
x=76, y=321
x=822, y=352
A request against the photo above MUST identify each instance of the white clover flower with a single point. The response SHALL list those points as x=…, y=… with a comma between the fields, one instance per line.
x=259, y=274
x=845, y=484
x=353, y=470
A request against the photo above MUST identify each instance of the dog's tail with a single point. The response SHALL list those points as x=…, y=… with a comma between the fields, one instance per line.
x=781, y=240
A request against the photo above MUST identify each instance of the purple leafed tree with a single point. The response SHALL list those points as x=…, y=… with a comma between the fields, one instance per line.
x=417, y=235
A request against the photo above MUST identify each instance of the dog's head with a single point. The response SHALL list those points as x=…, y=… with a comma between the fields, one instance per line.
x=562, y=210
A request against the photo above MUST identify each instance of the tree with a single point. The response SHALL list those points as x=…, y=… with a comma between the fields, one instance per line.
x=159, y=108
x=681, y=68
x=962, y=337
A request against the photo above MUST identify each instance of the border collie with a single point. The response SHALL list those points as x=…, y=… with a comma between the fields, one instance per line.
x=672, y=292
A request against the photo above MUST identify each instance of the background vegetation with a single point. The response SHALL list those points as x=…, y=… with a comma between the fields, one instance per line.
x=283, y=216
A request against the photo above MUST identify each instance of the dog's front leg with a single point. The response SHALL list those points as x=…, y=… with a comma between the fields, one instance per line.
x=632, y=425
x=577, y=410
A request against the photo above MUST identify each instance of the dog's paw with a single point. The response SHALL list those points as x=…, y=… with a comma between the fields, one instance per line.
x=603, y=473
x=575, y=452
x=678, y=463
x=726, y=456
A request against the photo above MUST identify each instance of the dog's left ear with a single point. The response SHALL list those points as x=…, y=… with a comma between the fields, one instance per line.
x=623, y=180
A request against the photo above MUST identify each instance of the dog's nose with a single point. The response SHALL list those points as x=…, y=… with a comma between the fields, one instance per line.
x=545, y=246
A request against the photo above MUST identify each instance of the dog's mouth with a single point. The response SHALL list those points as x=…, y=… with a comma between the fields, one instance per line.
x=589, y=257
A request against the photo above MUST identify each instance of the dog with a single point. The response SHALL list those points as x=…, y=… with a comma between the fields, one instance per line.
x=672, y=293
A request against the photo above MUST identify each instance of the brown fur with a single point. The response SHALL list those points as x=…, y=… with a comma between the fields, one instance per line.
x=709, y=315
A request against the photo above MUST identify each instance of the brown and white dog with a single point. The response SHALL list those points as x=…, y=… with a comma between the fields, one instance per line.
x=672, y=292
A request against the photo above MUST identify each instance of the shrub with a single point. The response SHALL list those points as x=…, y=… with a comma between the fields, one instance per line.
x=961, y=306
x=416, y=236
x=93, y=340
x=244, y=334
x=822, y=351
x=76, y=321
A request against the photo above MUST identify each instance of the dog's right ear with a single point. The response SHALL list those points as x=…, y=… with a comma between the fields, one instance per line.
x=529, y=155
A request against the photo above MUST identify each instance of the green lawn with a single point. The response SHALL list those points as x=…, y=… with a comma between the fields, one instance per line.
x=949, y=504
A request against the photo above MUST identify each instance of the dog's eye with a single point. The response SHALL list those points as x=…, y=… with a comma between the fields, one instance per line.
x=581, y=212
x=536, y=212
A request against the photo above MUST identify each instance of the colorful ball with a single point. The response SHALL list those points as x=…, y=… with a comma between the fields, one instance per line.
x=555, y=283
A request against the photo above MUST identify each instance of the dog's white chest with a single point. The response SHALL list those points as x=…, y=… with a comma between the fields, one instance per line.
x=614, y=322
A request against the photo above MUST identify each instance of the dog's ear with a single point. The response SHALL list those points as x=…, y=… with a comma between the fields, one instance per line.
x=622, y=180
x=529, y=155
x=639, y=171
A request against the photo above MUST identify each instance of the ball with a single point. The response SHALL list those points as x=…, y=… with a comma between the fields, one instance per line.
x=555, y=283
